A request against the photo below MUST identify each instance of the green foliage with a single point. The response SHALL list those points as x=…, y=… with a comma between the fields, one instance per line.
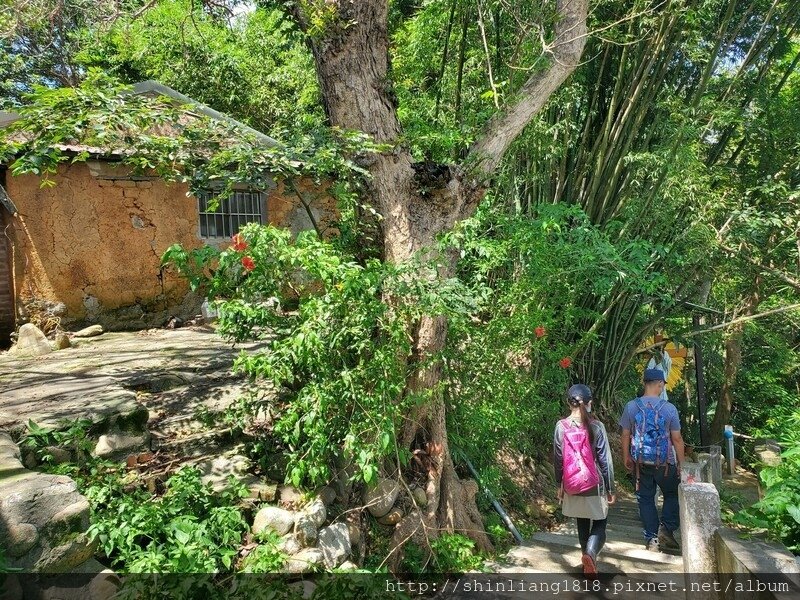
x=187, y=530
x=455, y=553
x=255, y=69
x=71, y=435
x=342, y=357
x=266, y=557
x=779, y=510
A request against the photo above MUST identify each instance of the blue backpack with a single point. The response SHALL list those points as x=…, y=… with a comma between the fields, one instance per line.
x=651, y=437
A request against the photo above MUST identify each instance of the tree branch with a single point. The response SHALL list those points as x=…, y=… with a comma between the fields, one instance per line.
x=767, y=269
x=565, y=52
x=767, y=313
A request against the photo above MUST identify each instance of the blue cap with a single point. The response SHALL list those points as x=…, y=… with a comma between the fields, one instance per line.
x=654, y=375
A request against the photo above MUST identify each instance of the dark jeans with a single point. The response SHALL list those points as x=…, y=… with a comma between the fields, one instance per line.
x=591, y=535
x=650, y=477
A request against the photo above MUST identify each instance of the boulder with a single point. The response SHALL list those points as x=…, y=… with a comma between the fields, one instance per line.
x=327, y=494
x=355, y=534
x=305, y=530
x=289, y=544
x=381, y=498
x=305, y=561
x=393, y=518
x=273, y=518
x=91, y=331
x=62, y=341
x=60, y=455
x=42, y=522
x=289, y=495
x=348, y=566
x=20, y=538
x=316, y=512
x=334, y=543
x=31, y=342
x=118, y=443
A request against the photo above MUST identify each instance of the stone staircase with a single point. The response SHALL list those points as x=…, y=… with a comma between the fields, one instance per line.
x=623, y=560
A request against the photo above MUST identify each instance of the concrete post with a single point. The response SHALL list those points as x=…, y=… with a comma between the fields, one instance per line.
x=700, y=518
x=716, y=465
x=706, y=459
x=691, y=472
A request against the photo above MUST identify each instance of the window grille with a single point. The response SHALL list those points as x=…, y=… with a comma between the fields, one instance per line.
x=233, y=213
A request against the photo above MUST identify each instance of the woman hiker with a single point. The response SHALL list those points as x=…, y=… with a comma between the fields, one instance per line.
x=584, y=473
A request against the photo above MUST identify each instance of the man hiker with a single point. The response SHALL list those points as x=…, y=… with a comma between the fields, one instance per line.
x=652, y=448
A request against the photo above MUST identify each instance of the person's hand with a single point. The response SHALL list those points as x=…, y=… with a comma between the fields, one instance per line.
x=560, y=495
x=612, y=498
x=629, y=464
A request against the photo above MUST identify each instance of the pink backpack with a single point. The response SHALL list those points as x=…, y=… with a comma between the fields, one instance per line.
x=579, y=469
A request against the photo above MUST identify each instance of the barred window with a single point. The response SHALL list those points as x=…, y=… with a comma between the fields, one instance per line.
x=233, y=213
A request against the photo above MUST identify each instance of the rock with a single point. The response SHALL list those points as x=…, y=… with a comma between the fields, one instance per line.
x=273, y=518
x=91, y=331
x=381, y=498
x=220, y=469
x=289, y=495
x=334, y=543
x=31, y=342
x=420, y=497
x=289, y=544
x=393, y=518
x=304, y=588
x=67, y=556
x=263, y=490
x=174, y=323
x=305, y=561
x=327, y=494
x=316, y=512
x=355, y=534
x=110, y=444
x=348, y=566
x=105, y=585
x=42, y=522
x=305, y=530
x=60, y=455
x=62, y=341
x=20, y=538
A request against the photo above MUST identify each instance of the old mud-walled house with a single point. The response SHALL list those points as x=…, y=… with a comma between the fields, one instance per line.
x=88, y=249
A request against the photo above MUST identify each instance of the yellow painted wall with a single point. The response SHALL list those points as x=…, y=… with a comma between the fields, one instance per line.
x=93, y=242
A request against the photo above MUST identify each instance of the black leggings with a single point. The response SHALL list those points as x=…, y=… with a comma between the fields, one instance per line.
x=591, y=535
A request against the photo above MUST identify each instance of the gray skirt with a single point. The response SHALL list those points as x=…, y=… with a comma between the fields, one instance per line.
x=585, y=507
x=589, y=505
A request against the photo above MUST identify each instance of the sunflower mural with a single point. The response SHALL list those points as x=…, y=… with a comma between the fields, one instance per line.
x=670, y=357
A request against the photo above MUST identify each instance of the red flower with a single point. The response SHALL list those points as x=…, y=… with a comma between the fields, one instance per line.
x=540, y=331
x=248, y=263
x=238, y=243
x=565, y=362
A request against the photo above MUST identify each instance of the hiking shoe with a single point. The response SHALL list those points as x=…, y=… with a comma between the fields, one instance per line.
x=666, y=539
x=653, y=546
x=589, y=565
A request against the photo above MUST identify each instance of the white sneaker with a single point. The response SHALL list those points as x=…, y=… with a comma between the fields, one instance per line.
x=652, y=545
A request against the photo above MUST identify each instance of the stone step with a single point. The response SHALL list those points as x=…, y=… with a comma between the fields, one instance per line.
x=622, y=549
x=197, y=444
x=545, y=557
x=614, y=530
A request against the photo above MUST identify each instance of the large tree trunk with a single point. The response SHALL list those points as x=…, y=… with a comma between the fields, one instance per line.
x=732, y=362
x=352, y=63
